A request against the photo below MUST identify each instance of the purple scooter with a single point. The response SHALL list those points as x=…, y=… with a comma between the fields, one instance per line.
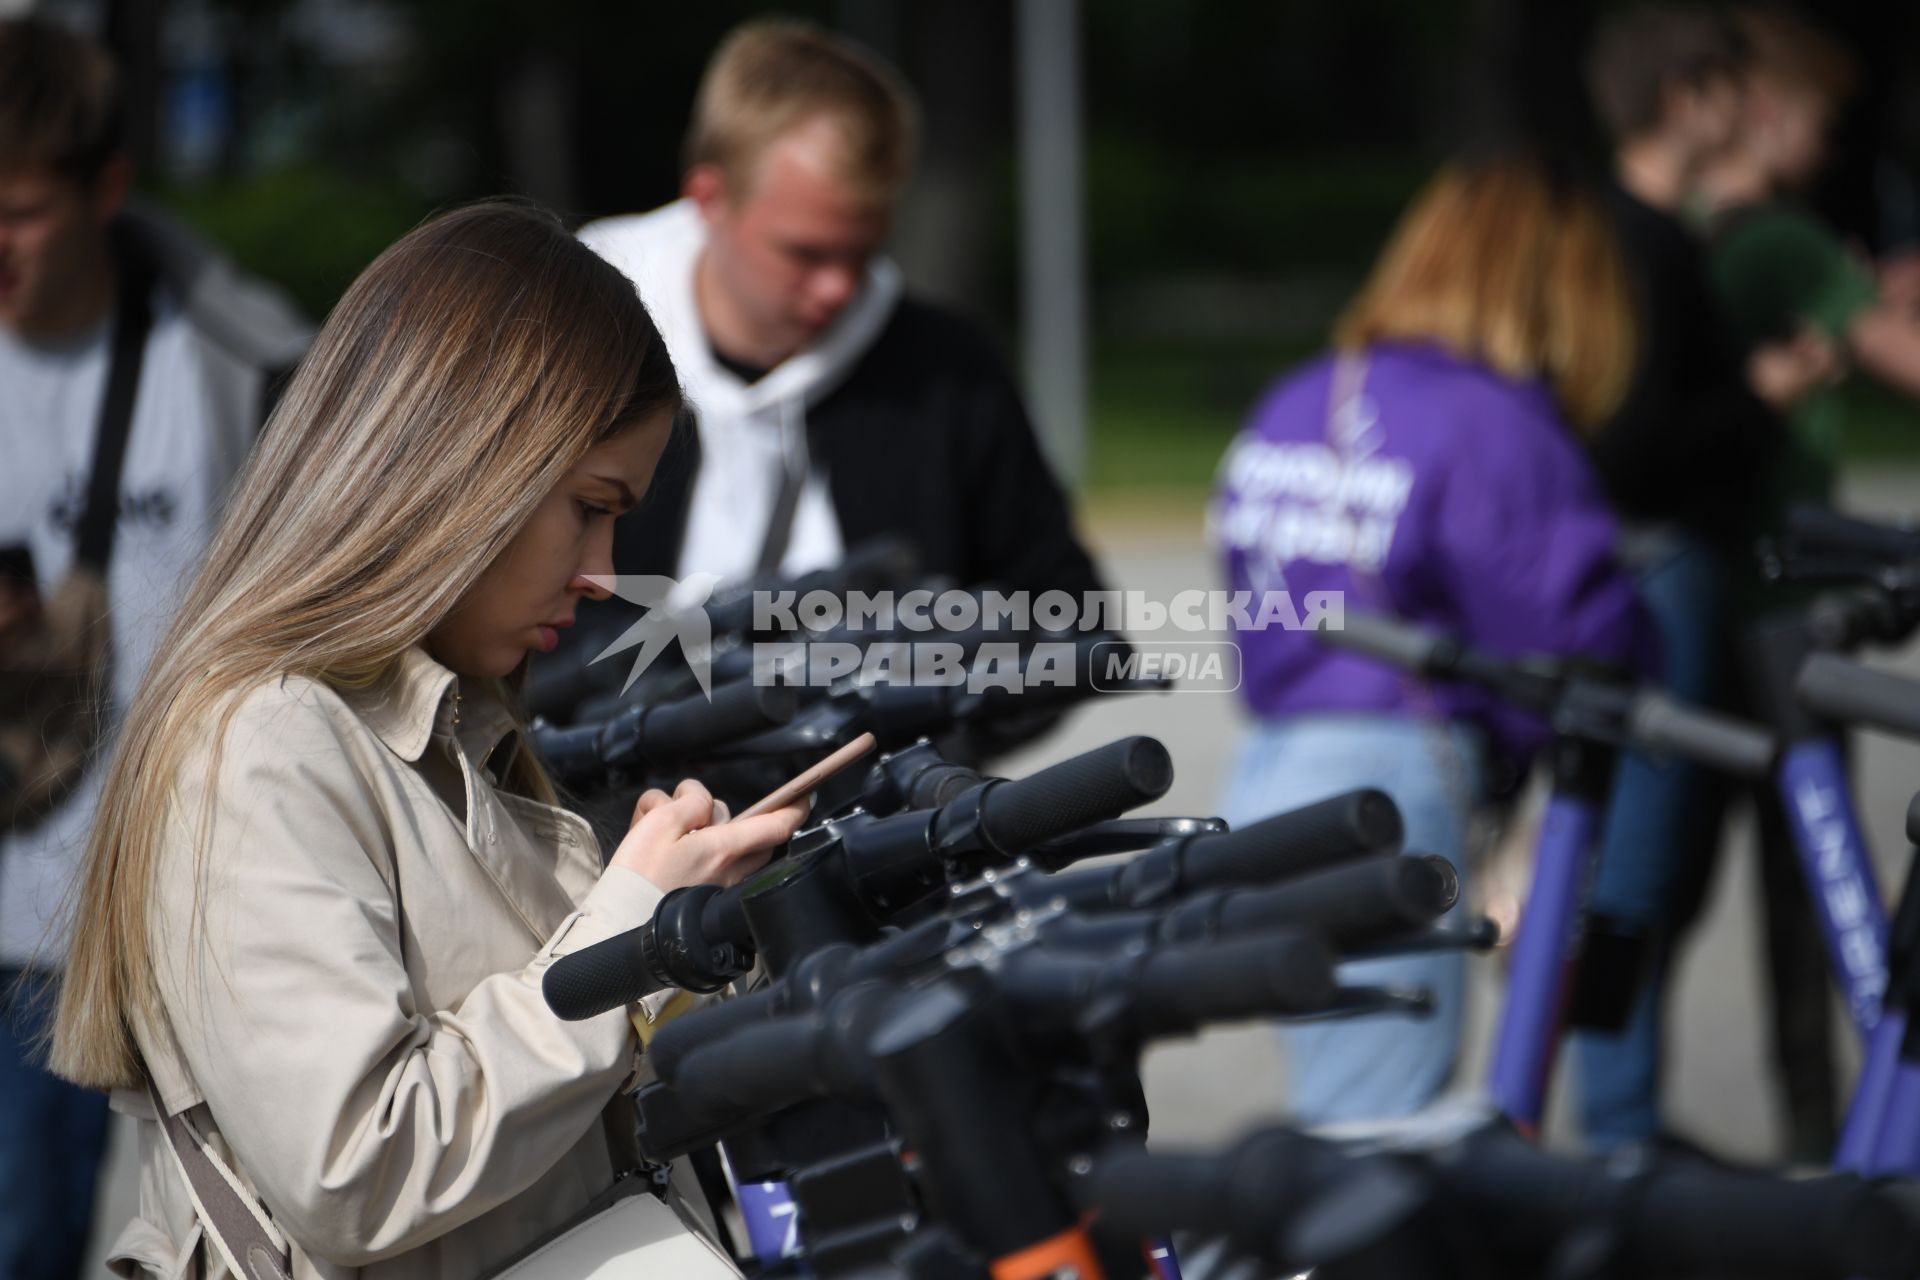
x=1882, y=1131
x=1882, y=606
x=1593, y=714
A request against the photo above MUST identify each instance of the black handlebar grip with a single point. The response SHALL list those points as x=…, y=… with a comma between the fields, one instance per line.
x=880, y=562
x=1277, y=973
x=1278, y=1195
x=588, y=982
x=883, y=561
x=1696, y=1221
x=758, y=1069
x=1398, y=644
x=678, y=1040
x=1331, y=831
x=1823, y=529
x=1837, y=689
x=1099, y=660
x=819, y=976
x=569, y=753
x=675, y=730
x=723, y=919
x=1659, y=724
x=1158, y=1193
x=556, y=688
x=936, y=784
x=1019, y=813
x=884, y=558
x=1355, y=904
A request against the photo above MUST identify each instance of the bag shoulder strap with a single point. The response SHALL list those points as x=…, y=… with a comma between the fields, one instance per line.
x=791, y=480
x=133, y=320
x=238, y=1225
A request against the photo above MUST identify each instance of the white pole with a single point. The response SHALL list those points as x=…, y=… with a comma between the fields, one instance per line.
x=1053, y=272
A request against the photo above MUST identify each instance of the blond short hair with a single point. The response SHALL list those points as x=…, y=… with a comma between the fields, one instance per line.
x=1499, y=264
x=770, y=76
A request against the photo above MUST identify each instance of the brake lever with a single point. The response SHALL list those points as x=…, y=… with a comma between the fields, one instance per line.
x=1121, y=835
x=1478, y=934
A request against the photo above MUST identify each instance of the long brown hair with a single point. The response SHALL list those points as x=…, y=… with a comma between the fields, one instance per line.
x=461, y=377
x=1499, y=263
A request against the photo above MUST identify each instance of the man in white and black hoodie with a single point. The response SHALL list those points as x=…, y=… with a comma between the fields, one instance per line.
x=831, y=407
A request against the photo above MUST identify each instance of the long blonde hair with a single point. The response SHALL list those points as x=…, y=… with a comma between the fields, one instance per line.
x=1499, y=263
x=461, y=377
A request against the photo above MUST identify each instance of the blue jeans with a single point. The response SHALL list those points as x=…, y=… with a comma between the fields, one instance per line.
x=1387, y=1064
x=51, y=1138
x=1659, y=823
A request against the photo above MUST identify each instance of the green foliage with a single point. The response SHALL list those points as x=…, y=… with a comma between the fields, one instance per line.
x=1881, y=424
x=1252, y=212
x=309, y=230
x=1164, y=413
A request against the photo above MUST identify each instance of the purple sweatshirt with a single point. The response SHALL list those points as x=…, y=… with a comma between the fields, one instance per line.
x=1442, y=494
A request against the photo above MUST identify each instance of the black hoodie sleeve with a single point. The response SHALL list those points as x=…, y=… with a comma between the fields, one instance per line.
x=1020, y=526
x=927, y=439
x=1684, y=444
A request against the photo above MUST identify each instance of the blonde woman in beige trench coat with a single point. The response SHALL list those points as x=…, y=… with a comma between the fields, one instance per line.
x=326, y=878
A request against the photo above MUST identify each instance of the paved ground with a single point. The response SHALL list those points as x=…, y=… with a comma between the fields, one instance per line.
x=1212, y=1088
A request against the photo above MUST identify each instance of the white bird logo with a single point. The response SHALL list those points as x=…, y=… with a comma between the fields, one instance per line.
x=675, y=607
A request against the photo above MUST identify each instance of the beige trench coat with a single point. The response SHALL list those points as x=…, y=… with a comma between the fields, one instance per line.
x=355, y=1020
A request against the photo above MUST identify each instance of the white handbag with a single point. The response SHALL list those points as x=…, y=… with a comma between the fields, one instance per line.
x=626, y=1233
x=636, y=1237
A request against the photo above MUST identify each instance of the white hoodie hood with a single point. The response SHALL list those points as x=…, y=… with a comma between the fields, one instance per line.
x=748, y=434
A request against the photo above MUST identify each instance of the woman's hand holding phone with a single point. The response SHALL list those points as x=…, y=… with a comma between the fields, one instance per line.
x=686, y=838
x=689, y=838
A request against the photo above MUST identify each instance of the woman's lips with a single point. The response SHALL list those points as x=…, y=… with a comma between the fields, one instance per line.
x=550, y=633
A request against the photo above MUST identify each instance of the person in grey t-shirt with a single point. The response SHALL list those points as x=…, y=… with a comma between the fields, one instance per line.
x=215, y=346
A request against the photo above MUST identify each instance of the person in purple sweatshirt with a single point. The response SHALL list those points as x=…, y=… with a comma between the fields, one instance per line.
x=1430, y=467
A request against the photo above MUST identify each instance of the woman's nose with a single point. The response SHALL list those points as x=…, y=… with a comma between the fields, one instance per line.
x=594, y=575
x=592, y=586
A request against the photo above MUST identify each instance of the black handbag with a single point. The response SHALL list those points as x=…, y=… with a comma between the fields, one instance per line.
x=54, y=673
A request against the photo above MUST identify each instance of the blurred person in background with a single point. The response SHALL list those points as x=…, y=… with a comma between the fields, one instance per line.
x=1780, y=270
x=1680, y=460
x=1430, y=468
x=91, y=292
x=1784, y=276
x=832, y=406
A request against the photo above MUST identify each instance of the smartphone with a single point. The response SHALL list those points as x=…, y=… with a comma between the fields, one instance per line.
x=787, y=792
